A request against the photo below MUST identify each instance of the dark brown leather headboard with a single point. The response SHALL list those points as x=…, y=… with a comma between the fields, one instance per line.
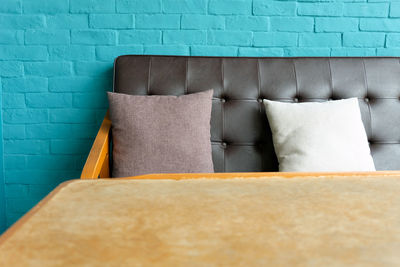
x=240, y=134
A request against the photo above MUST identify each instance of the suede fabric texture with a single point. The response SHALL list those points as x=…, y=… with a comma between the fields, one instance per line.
x=327, y=221
x=161, y=134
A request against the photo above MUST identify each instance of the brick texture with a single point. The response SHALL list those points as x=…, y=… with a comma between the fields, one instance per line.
x=56, y=61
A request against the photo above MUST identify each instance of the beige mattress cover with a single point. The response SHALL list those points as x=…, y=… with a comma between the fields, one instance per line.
x=324, y=221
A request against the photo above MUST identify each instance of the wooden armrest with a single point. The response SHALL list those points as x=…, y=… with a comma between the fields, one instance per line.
x=97, y=164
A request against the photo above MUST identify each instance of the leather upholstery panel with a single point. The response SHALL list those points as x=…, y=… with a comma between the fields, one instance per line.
x=313, y=78
x=132, y=76
x=383, y=78
x=240, y=135
x=240, y=79
x=212, y=69
x=167, y=76
x=385, y=120
x=346, y=73
x=381, y=152
x=275, y=83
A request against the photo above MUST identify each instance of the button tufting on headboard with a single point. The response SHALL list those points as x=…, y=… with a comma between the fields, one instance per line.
x=240, y=135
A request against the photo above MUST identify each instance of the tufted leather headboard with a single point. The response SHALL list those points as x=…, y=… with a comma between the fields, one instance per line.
x=240, y=135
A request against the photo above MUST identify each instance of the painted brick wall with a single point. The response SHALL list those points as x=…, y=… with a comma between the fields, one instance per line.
x=56, y=63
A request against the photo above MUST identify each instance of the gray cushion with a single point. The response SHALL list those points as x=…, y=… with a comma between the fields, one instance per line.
x=161, y=134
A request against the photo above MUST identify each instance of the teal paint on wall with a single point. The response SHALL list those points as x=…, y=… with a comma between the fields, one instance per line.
x=2, y=183
x=56, y=63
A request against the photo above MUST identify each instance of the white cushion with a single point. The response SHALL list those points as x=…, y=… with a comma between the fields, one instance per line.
x=315, y=137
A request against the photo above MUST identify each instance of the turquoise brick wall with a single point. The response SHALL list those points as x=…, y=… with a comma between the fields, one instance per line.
x=2, y=183
x=56, y=61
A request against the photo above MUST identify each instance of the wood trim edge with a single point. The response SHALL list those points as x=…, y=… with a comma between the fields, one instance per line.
x=184, y=176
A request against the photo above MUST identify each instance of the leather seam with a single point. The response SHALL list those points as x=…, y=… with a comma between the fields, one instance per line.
x=259, y=97
x=186, y=76
x=259, y=78
x=368, y=103
x=149, y=78
x=330, y=74
x=295, y=77
x=223, y=113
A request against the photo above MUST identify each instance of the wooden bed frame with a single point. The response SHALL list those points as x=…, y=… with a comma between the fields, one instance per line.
x=98, y=165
